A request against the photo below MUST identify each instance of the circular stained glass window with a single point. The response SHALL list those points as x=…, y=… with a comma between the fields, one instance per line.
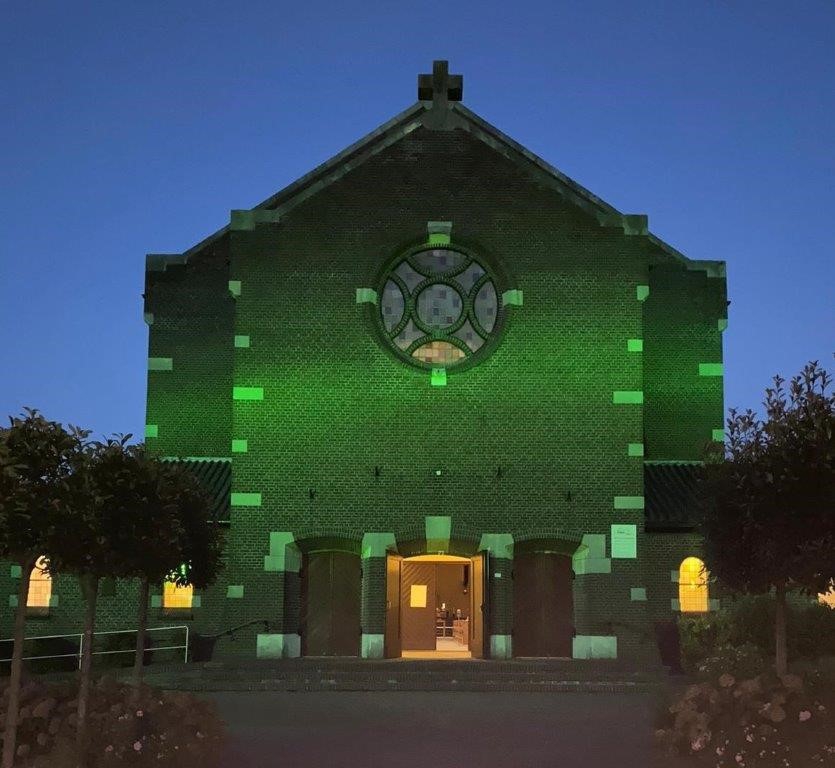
x=438, y=306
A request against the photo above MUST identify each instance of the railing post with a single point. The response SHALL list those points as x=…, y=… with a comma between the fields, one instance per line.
x=80, y=648
x=185, y=650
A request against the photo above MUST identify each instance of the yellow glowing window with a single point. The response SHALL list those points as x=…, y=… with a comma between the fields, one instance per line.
x=417, y=598
x=40, y=586
x=176, y=597
x=692, y=585
x=438, y=353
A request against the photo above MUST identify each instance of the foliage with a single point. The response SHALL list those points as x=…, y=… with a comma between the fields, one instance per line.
x=731, y=633
x=767, y=500
x=763, y=720
x=39, y=463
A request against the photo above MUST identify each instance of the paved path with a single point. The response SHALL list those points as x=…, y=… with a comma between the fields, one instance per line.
x=437, y=730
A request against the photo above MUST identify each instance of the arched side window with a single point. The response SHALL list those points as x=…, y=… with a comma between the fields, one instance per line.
x=174, y=597
x=692, y=586
x=40, y=586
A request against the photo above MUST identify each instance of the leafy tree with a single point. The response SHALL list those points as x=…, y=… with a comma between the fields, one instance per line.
x=87, y=550
x=768, y=514
x=39, y=494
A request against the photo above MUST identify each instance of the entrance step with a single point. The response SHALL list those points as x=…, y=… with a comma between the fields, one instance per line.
x=348, y=674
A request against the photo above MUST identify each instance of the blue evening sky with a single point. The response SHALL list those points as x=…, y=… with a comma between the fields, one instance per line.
x=129, y=128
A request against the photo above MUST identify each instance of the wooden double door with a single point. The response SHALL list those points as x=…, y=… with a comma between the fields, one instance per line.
x=330, y=604
x=543, y=605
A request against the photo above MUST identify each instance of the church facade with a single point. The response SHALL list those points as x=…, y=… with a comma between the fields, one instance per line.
x=447, y=401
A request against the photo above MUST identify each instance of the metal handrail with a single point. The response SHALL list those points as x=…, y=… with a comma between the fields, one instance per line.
x=80, y=636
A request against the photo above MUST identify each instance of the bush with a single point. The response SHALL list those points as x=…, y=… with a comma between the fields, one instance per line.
x=762, y=720
x=162, y=728
x=749, y=621
x=746, y=660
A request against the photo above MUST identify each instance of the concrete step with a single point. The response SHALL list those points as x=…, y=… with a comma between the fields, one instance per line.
x=413, y=675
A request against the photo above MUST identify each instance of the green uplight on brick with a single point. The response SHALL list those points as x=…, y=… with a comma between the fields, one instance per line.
x=710, y=369
x=242, y=342
x=438, y=377
x=513, y=297
x=160, y=364
x=718, y=435
x=635, y=449
x=247, y=393
x=641, y=292
x=235, y=288
x=239, y=446
x=151, y=430
x=246, y=499
x=722, y=323
x=629, y=502
x=366, y=296
x=439, y=238
x=634, y=345
x=627, y=397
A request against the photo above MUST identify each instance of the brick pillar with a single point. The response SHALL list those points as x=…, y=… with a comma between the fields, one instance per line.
x=501, y=607
x=373, y=593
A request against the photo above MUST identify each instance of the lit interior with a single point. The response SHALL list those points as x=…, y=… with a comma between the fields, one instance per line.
x=40, y=586
x=176, y=597
x=692, y=586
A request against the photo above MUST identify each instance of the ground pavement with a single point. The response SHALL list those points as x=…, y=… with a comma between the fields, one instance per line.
x=437, y=729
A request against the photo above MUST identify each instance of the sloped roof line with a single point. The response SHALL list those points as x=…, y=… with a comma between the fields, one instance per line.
x=393, y=130
x=297, y=186
x=491, y=130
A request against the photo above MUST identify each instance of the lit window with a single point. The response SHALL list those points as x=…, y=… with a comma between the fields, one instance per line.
x=176, y=597
x=40, y=586
x=828, y=598
x=692, y=585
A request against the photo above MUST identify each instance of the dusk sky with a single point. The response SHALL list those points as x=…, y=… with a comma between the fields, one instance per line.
x=132, y=128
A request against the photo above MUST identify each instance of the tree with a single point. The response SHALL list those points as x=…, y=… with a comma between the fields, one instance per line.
x=39, y=491
x=141, y=524
x=768, y=512
x=86, y=549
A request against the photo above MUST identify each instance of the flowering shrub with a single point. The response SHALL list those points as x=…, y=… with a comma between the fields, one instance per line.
x=762, y=721
x=160, y=728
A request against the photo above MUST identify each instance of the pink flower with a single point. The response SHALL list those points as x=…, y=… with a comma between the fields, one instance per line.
x=108, y=748
x=137, y=745
x=139, y=713
x=804, y=715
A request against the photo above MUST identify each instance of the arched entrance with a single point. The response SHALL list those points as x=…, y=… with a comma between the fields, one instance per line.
x=543, y=604
x=330, y=604
x=435, y=606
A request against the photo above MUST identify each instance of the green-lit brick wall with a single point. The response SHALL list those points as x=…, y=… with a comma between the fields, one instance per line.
x=336, y=403
x=194, y=326
x=681, y=331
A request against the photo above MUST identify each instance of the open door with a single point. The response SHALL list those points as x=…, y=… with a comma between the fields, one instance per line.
x=417, y=606
x=392, y=638
x=478, y=606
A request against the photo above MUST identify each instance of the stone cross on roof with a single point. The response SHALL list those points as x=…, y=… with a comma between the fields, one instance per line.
x=440, y=87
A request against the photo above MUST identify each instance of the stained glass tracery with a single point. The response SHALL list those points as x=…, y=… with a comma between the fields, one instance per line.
x=438, y=306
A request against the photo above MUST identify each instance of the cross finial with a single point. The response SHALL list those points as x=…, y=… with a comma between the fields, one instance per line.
x=440, y=87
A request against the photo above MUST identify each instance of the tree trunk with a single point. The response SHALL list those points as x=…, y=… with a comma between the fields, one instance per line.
x=142, y=623
x=10, y=731
x=90, y=586
x=781, y=660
